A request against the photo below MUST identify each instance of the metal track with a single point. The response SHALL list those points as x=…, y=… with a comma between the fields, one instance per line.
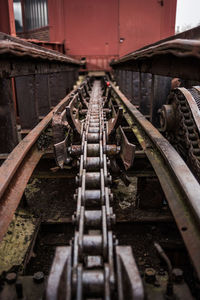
x=94, y=255
x=94, y=266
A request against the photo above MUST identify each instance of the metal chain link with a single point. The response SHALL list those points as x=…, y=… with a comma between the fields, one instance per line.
x=93, y=266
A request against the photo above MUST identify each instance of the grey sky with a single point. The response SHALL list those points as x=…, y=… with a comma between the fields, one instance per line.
x=188, y=13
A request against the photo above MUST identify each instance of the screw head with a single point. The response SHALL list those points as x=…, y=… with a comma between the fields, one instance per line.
x=38, y=277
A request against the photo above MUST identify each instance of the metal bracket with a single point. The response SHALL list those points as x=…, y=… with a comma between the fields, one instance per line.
x=128, y=278
x=127, y=152
x=59, y=281
x=60, y=150
x=74, y=123
x=82, y=98
x=114, y=123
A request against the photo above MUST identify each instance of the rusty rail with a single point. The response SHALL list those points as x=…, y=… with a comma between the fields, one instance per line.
x=178, y=183
x=18, y=167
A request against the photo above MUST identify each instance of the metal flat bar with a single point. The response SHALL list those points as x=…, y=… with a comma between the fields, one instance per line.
x=16, y=66
x=178, y=183
x=11, y=198
x=18, y=58
x=176, y=58
x=17, y=49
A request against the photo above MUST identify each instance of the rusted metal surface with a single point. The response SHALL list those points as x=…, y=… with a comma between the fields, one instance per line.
x=127, y=152
x=43, y=78
x=56, y=46
x=18, y=57
x=8, y=126
x=177, y=58
x=15, y=190
x=193, y=106
x=179, y=185
x=72, y=120
x=18, y=167
x=17, y=49
x=114, y=123
x=180, y=122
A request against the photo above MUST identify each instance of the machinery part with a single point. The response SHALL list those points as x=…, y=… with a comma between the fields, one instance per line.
x=73, y=122
x=128, y=275
x=88, y=264
x=182, y=125
x=180, y=187
x=127, y=151
x=167, y=117
x=114, y=123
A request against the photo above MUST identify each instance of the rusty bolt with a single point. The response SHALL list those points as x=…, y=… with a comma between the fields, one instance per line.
x=38, y=277
x=150, y=275
x=11, y=277
x=177, y=275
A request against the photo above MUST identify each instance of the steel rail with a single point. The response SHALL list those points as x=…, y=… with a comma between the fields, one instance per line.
x=180, y=187
x=18, y=167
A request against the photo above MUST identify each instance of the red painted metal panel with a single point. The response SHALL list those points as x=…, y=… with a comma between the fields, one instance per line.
x=143, y=22
x=7, y=20
x=56, y=17
x=90, y=29
x=93, y=28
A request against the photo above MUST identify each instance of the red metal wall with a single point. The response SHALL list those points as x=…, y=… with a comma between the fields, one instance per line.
x=94, y=28
x=143, y=22
x=7, y=21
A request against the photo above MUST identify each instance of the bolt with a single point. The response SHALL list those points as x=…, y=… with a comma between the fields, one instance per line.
x=177, y=275
x=11, y=277
x=38, y=277
x=150, y=275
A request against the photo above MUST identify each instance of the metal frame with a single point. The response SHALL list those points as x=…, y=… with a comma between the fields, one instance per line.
x=178, y=183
